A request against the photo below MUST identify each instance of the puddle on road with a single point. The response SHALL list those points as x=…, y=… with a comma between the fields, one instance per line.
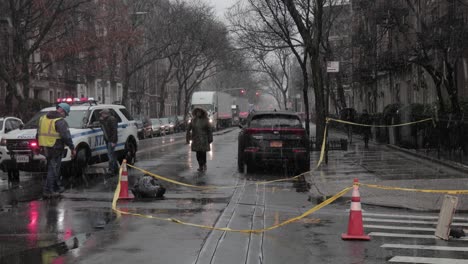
x=51, y=252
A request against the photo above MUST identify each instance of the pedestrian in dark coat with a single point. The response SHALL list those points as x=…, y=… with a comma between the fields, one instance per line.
x=366, y=120
x=200, y=132
x=109, y=126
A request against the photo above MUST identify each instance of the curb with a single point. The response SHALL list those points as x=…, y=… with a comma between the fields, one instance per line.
x=454, y=165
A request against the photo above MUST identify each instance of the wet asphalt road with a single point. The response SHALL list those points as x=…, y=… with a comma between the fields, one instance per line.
x=81, y=228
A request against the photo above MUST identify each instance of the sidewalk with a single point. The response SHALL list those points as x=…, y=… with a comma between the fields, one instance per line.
x=388, y=165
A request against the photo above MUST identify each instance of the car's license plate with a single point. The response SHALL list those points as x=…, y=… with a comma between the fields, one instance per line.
x=22, y=158
x=276, y=144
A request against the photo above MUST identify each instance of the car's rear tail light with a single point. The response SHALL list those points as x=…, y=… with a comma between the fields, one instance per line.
x=251, y=149
x=299, y=150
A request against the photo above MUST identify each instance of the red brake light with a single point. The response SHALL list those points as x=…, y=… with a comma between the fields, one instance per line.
x=59, y=100
x=69, y=100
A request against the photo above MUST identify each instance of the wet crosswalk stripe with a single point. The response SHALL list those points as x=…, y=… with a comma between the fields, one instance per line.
x=434, y=217
x=403, y=259
x=382, y=234
x=425, y=247
x=401, y=221
x=410, y=228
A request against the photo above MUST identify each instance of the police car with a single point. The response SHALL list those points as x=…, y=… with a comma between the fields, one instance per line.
x=87, y=136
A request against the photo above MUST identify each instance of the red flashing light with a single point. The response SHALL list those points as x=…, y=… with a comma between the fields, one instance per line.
x=69, y=100
x=33, y=144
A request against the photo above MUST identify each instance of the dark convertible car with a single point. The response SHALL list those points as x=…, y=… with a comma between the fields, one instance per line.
x=273, y=137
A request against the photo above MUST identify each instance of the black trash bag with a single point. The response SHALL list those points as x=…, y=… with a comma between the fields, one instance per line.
x=457, y=232
x=148, y=187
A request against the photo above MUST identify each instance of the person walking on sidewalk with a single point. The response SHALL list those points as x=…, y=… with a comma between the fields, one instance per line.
x=52, y=135
x=366, y=120
x=200, y=132
x=109, y=128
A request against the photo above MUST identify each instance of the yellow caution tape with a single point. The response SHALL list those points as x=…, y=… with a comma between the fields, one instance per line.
x=328, y=119
x=211, y=187
x=413, y=190
x=226, y=229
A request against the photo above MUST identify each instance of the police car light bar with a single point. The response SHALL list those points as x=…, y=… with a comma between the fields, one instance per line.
x=81, y=100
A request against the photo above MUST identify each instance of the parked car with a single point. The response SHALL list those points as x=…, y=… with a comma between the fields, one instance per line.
x=157, y=127
x=175, y=121
x=144, y=129
x=7, y=124
x=148, y=128
x=139, y=125
x=273, y=137
x=168, y=125
x=182, y=124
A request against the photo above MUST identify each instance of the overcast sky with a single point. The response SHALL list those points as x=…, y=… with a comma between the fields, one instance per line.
x=221, y=6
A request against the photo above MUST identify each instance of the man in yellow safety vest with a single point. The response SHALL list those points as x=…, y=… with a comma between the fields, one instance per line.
x=53, y=135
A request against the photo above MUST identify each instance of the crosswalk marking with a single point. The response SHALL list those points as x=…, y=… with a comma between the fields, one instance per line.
x=409, y=221
x=382, y=234
x=425, y=247
x=411, y=228
x=403, y=259
x=411, y=216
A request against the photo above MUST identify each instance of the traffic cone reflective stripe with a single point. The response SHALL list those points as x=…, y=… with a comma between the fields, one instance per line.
x=124, y=194
x=355, y=225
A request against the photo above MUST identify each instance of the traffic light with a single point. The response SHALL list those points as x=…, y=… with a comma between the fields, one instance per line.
x=257, y=93
x=242, y=91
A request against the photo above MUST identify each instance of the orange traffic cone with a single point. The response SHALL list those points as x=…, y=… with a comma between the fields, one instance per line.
x=355, y=226
x=124, y=195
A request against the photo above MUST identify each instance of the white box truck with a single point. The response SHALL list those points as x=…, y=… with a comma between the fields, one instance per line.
x=218, y=106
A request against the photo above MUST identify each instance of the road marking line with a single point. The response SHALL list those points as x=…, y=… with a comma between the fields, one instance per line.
x=404, y=259
x=408, y=221
x=425, y=247
x=381, y=234
x=400, y=228
x=411, y=216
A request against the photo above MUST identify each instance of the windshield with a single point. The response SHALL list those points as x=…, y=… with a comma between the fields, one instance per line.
x=207, y=107
x=266, y=121
x=76, y=119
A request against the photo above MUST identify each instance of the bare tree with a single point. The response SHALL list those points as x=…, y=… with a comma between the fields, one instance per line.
x=35, y=23
x=204, y=53
x=276, y=69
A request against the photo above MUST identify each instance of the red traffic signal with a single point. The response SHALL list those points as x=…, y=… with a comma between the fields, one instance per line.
x=242, y=91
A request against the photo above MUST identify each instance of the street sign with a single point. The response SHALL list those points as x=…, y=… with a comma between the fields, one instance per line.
x=333, y=66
